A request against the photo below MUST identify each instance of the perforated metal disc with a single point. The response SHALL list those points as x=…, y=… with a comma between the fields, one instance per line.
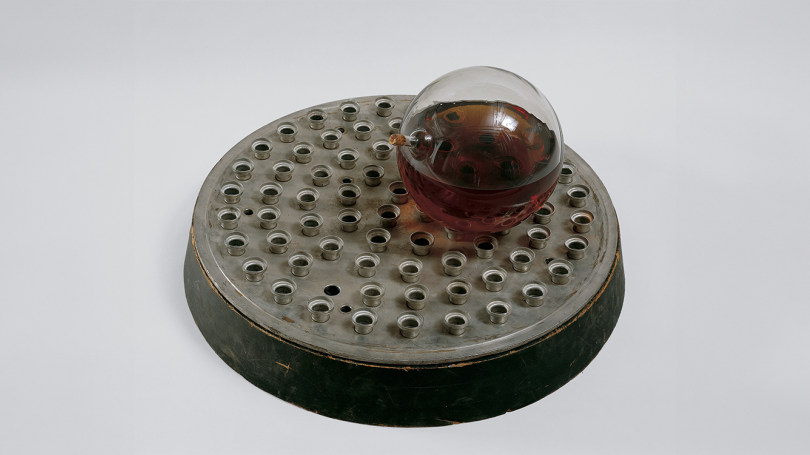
x=385, y=344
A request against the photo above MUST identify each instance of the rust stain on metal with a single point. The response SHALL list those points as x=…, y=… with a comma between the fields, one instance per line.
x=287, y=319
x=397, y=140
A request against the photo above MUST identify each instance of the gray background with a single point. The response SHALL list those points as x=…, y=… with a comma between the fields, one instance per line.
x=694, y=114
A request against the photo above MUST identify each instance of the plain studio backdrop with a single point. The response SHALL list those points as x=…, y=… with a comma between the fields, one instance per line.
x=694, y=114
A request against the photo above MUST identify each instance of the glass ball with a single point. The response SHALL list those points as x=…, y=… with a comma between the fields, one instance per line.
x=480, y=150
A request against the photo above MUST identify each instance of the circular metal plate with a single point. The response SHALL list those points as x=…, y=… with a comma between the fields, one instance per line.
x=385, y=344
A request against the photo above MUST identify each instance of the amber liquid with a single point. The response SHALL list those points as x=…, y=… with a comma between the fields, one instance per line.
x=487, y=167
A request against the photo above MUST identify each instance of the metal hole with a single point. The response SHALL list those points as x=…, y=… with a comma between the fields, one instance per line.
x=576, y=245
x=332, y=290
x=498, y=309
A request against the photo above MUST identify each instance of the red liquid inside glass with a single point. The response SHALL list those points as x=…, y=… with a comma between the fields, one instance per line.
x=484, y=168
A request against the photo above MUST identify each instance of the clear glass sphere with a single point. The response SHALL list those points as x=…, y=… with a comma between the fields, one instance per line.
x=481, y=149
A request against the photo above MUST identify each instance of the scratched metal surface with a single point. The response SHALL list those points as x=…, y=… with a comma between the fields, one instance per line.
x=385, y=344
